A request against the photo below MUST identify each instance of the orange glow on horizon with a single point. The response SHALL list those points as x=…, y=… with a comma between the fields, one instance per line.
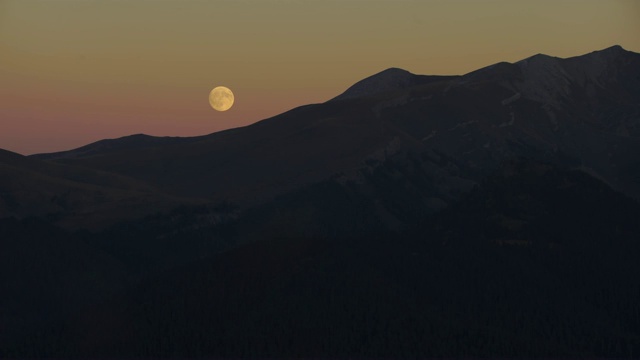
x=74, y=72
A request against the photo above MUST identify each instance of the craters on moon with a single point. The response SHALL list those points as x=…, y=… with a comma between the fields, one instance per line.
x=221, y=98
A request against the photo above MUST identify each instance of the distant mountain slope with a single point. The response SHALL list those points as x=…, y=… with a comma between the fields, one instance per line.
x=581, y=112
x=255, y=162
x=123, y=144
x=73, y=196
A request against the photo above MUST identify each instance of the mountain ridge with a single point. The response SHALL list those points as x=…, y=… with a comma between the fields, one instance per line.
x=580, y=112
x=354, y=91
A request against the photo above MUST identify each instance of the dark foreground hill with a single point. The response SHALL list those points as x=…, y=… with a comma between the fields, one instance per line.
x=492, y=276
x=537, y=260
x=490, y=214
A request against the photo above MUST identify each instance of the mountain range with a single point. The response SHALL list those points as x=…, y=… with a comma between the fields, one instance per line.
x=411, y=214
x=581, y=112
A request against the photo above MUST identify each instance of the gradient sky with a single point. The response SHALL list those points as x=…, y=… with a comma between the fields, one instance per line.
x=76, y=71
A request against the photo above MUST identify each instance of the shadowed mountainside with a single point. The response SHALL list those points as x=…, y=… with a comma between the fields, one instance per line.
x=537, y=260
x=75, y=196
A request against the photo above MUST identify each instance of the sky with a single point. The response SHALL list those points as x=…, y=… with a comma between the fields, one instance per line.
x=77, y=71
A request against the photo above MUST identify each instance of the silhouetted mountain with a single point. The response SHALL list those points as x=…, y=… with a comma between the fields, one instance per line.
x=580, y=112
x=120, y=145
x=392, y=79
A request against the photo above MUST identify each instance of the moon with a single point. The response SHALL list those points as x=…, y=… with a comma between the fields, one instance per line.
x=221, y=98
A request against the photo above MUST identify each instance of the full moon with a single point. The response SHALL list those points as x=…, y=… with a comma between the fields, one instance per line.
x=221, y=98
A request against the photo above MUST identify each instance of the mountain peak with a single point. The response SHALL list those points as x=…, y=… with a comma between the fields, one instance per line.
x=612, y=52
x=613, y=49
x=538, y=59
x=386, y=80
x=391, y=79
x=393, y=71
